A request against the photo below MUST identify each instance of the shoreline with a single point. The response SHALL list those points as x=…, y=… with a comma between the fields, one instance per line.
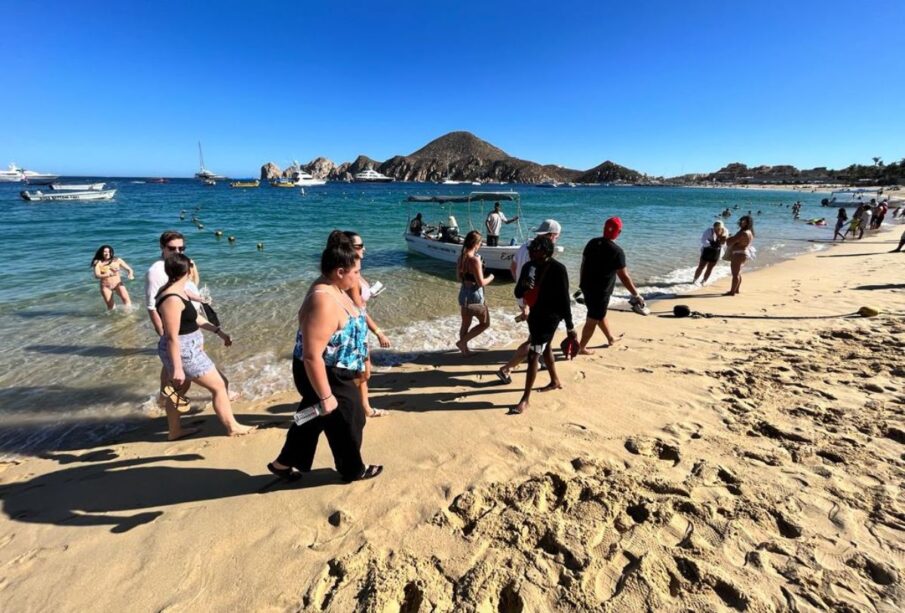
x=719, y=425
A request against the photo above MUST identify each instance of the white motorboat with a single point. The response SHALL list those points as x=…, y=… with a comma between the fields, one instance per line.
x=203, y=173
x=39, y=178
x=77, y=187
x=851, y=197
x=11, y=175
x=549, y=184
x=39, y=196
x=371, y=176
x=300, y=178
x=443, y=241
x=448, y=181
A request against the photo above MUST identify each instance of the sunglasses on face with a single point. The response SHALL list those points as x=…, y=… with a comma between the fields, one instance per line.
x=179, y=249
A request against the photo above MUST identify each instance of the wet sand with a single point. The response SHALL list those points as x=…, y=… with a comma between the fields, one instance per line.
x=752, y=459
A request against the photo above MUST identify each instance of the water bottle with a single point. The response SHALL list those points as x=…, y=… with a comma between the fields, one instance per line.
x=512, y=242
x=306, y=415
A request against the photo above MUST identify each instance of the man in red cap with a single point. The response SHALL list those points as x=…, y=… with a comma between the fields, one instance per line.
x=602, y=261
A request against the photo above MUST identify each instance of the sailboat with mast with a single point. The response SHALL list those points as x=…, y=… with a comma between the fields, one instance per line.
x=204, y=174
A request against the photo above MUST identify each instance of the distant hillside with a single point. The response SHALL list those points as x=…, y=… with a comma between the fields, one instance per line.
x=462, y=156
x=878, y=174
x=608, y=172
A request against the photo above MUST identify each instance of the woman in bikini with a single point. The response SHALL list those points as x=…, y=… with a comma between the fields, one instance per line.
x=106, y=268
x=181, y=348
x=361, y=295
x=470, y=273
x=740, y=250
x=327, y=366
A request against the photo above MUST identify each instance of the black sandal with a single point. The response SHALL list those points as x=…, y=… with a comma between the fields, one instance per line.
x=284, y=473
x=370, y=471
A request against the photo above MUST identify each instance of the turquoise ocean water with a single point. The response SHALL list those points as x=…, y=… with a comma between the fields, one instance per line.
x=70, y=370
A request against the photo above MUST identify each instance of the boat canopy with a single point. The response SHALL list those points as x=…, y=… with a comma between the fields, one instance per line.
x=472, y=197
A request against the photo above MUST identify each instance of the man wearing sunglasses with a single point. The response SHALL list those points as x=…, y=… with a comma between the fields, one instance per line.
x=170, y=242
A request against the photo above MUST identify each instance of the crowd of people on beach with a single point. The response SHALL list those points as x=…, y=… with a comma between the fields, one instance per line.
x=331, y=362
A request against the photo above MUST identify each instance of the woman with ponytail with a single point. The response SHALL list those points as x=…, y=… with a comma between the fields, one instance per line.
x=181, y=349
x=470, y=273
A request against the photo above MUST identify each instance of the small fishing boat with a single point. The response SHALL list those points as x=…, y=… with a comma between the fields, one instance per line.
x=244, y=184
x=443, y=240
x=851, y=197
x=77, y=187
x=282, y=183
x=39, y=196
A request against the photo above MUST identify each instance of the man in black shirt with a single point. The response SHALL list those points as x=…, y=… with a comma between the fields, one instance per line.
x=544, y=285
x=602, y=261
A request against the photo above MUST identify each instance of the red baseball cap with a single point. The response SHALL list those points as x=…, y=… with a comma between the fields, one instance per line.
x=612, y=228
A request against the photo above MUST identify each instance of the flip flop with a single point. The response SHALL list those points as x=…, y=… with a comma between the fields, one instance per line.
x=284, y=473
x=370, y=471
x=504, y=377
x=179, y=401
x=379, y=413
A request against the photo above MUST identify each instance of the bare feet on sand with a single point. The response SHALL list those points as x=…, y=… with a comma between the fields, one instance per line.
x=183, y=433
x=519, y=408
x=550, y=387
x=464, y=349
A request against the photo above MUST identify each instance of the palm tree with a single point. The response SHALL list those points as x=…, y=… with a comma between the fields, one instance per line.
x=876, y=160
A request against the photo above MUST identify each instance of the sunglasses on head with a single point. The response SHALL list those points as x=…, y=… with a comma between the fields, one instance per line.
x=179, y=249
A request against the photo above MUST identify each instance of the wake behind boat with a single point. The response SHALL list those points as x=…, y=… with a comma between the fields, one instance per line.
x=39, y=196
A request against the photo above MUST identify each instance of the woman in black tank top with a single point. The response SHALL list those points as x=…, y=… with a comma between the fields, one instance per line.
x=181, y=349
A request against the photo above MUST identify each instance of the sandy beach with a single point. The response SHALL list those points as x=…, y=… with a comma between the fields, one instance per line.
x=751, y=459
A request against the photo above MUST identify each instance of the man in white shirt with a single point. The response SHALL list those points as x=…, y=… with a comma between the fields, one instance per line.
x=494, y=223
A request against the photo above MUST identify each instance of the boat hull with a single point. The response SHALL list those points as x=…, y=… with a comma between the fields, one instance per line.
x=77, y=187
x=497, y=259
x=40, y=179
x=39, y=196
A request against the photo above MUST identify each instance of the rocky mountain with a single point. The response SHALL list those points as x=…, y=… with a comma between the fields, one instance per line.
x=460, y=156
x=609, y=172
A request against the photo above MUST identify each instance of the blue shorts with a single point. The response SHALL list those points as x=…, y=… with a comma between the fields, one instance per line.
x=191, y=348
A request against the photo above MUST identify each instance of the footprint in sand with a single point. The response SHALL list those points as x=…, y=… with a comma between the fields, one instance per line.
x=653, y=447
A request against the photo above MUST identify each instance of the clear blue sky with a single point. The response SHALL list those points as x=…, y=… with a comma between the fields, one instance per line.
x=128, y=88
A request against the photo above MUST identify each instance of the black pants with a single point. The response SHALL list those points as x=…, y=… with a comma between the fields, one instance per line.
x=344, y=427
x=493, y=241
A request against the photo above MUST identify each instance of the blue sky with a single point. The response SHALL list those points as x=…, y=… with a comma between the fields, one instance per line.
x=128, y=88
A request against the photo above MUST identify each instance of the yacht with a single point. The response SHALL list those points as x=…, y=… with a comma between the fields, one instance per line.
x=39, y=178
x=203, y=173
x=371, y=176
x=300, y=178
x=12, y=175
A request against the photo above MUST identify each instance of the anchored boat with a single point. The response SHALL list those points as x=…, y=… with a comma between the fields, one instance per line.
x=443, y=240
x=39, y=196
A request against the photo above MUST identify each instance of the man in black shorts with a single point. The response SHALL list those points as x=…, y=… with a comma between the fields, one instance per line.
x=544, y=285
x=602, y=261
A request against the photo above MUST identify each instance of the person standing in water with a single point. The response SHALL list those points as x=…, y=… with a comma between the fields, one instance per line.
x=741, y=251
x=841, y=218
x=106, y=267
x=470, y=273
x=712, y=242
x=494, y=224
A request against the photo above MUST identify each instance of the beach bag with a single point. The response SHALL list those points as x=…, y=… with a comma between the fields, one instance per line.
x=681, y=310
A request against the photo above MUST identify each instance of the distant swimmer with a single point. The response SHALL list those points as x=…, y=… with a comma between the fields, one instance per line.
x=106, y=268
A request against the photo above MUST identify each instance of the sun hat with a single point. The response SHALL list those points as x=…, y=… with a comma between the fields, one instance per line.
x=548, y=226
